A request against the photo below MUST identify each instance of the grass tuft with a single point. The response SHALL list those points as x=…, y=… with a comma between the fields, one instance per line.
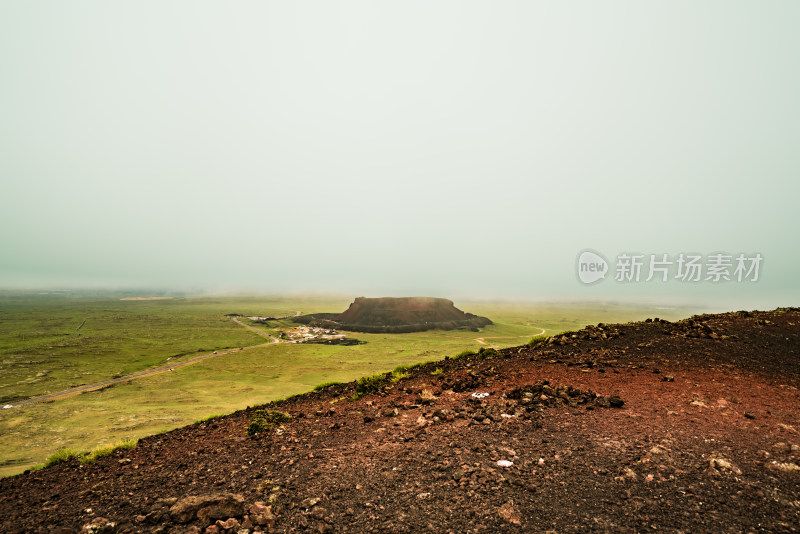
x=399, y=372
x=105, y=450
x=420, y=364
x=487, y=352
x=209, y=417
x=538, y=340
x=370, y=384
x=62, y=455
x=266, y=419
x=323, y=385
x=398, y=375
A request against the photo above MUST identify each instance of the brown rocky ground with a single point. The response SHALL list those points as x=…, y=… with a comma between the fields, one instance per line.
x=653, y=426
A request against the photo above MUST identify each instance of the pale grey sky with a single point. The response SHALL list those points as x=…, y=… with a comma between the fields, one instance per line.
x=453, y=148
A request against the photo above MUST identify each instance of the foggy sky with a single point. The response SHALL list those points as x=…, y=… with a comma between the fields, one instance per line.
x=448, y=148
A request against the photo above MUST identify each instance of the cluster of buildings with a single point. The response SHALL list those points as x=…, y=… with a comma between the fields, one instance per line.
x=301, y=334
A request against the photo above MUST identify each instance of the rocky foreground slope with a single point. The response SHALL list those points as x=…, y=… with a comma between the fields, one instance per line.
x=654, y=426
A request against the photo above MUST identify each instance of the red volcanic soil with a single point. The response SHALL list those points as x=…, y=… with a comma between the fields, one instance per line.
x=651, y=426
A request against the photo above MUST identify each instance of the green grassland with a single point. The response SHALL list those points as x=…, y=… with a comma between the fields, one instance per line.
x=120, y=337
x=49, y=343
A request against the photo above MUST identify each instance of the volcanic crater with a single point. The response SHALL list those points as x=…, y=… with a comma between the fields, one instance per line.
x=397, y=315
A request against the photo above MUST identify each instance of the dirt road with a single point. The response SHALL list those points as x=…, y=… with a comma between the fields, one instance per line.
x=256, y=330
x=482, y=340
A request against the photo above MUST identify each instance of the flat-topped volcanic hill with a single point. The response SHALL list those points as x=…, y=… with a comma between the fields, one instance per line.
x=398, y=314
x=653, y=426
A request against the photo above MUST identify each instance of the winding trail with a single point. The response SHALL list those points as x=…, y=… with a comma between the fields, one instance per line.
x=482, y=340
x=147, y=372
x=256, y=330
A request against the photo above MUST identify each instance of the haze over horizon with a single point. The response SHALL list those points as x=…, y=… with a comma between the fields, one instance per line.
x=455, y=149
